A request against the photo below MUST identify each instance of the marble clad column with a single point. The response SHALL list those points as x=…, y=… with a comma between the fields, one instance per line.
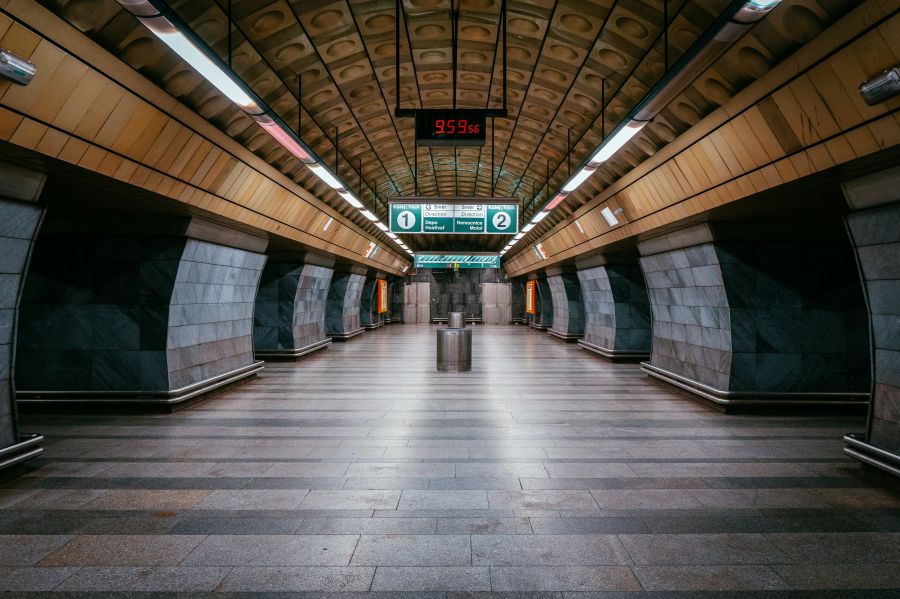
x=289, y=316
x=517, y=299
x=751, y=312
x=617, y=311
x=396, y=291
x=568, y=306
x=369, y=318
x=342, y=306
x=147, y=310
x=20, y=219
x=543, y=319
x=874, y=227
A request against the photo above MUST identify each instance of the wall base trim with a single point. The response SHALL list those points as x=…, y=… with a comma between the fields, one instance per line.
x=613, y=354
x=28, y=447
x=566, y=336
x=539, y=327
x=443, y=319
x=345, y=336
x=167, y=398
x=873, y=456
x=373, y=326
x=291, y=354
x=728, y=401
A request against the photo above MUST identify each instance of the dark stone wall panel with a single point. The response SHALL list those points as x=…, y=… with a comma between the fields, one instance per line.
x=876, y=234
x=617, y=311
x=759, y=316
x=290, y=306
x=210, y=328
x=342, y=305
x=19, y=222
x=568, y=306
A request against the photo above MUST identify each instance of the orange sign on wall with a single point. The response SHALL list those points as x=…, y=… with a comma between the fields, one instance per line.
x=382, y=296
x=531, y=297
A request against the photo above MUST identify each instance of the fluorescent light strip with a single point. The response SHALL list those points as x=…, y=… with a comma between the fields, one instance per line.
x=369, y=215
x=539, y=216
x=194, y=56
x=579, y=178
x=527, y=227
x=614, y=142
x=325, y=175
x=350, y=199
x=391, y=235
x=381, y=226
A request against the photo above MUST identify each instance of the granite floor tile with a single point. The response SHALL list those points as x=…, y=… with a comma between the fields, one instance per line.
x=444, y=500
x=155, y=500
x=548, y=550
x=367, y=526
x=32, y=579
x=350, y=500
x=389, y=578
x=713, y=549
x=273, y=550
x=840, y=547
x=834, y=576
x=542, y=500
x=27, y=550
x=709, y=578
x=123, y=550
x=484, y=526
x=413, y=550
x=252, y=500
x=298, y=579
x=563, y=578
x=144, y=579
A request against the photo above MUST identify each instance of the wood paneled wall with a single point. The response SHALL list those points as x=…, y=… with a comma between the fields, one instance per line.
x=803, y=117
x=87, y=108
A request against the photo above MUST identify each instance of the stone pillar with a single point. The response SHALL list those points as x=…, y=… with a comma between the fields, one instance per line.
x=517, y=300
x=617, y=311
x=757, y=314
x=543, y=319
x=289, y=317
x=138, y=310
x=20, y=219
x=342, y=306
x=369, y=318
x=568, y=306
x=874, y=228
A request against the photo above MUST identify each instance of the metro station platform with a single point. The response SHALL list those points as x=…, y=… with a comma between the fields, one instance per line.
x=545, y=470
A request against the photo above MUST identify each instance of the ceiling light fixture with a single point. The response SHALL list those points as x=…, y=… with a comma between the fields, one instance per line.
x=156, y=16
x=729, y=26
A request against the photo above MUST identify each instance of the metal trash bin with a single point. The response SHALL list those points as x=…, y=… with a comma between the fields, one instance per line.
x=456, y=320
x=454, y=345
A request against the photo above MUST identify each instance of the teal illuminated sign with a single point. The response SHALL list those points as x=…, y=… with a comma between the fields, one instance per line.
x=456, y=218
x=456, y=261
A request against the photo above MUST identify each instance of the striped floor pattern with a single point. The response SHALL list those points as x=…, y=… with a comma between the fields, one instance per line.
x=545, y=472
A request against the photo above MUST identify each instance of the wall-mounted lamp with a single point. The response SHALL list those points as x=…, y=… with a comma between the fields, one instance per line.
x=881, y=88
x=610, y=217
x=15, y=68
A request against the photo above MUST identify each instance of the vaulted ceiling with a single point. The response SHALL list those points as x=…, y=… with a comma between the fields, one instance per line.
x=338, y=58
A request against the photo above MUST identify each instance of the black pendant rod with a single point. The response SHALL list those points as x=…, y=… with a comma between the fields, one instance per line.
x=453, y=42
x=229, y=33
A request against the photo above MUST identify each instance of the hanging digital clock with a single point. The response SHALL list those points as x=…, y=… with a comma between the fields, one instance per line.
x=450, y=127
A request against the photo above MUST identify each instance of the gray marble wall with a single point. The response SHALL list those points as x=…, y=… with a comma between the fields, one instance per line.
x=19, y=223
x=757, y=315
x=459, y=290
x=617, y=311
x=211, y=312
x=544, y=316
x=517, y=295
x=342, y=305
x=568, y=305
x=369, y=317
x=138, y=313
x=290, y=306
x=874, y=228
x=395, y=299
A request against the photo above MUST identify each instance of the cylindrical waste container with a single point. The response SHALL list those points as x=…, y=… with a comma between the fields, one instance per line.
x=454, y=345
x=456, y=320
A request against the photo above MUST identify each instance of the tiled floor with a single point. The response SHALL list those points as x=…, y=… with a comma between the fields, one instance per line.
x=545, y=471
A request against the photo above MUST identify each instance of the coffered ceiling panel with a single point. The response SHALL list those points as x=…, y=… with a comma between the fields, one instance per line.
x=328, y=68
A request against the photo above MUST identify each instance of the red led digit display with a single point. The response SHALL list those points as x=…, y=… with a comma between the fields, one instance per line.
x=460, y=127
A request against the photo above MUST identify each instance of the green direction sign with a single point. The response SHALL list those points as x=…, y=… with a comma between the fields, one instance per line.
x=406, y=218
x=457, y=218
x=456, y=261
